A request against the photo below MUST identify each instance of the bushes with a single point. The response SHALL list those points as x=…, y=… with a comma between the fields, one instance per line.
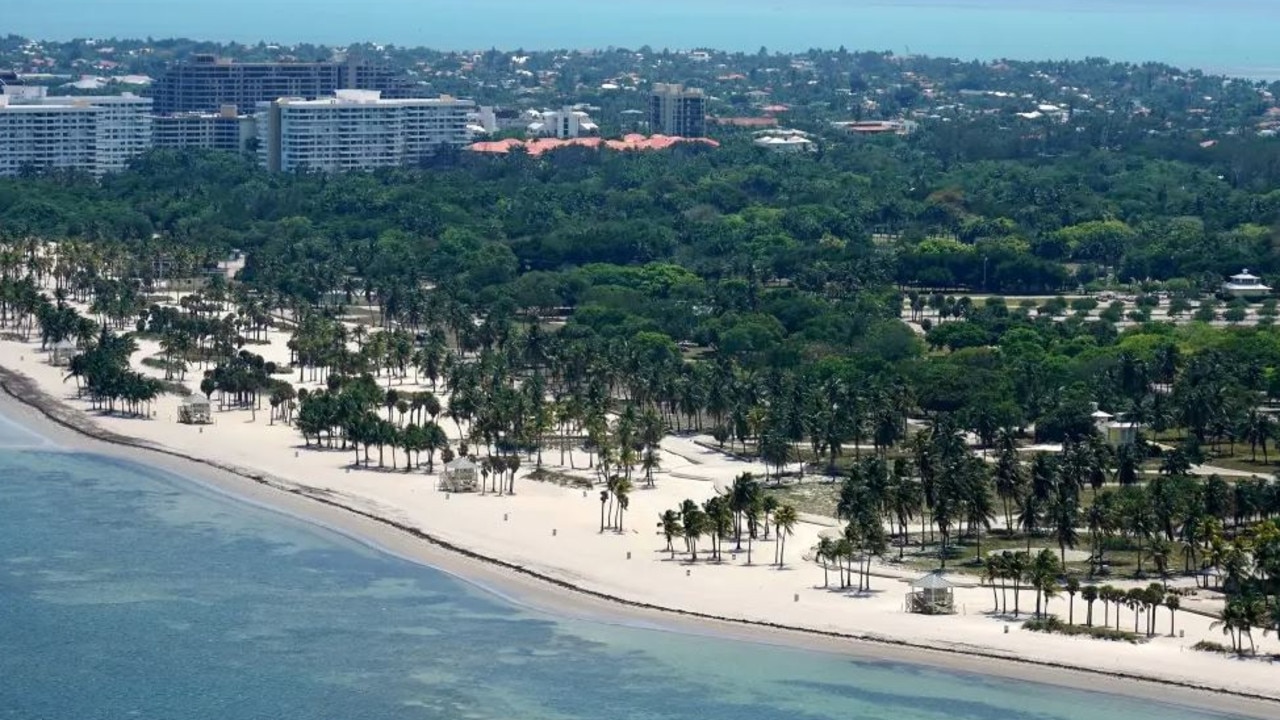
x=1210, y=646
x=1052, y=624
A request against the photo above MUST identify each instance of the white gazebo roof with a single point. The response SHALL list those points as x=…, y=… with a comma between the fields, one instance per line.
x=461, y=463
x=65, y=344
x=1245, y=276
x=195, y=401
x=932, y=581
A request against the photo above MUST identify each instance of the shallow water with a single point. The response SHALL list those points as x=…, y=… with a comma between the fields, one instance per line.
x=128, y=592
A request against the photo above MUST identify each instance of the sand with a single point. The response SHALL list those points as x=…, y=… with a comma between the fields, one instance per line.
x=543, y=546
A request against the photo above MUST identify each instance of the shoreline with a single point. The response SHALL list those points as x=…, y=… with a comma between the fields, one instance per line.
x=24, y=400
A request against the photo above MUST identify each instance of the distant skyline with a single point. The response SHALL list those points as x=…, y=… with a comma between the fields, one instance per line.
x=1227, y=36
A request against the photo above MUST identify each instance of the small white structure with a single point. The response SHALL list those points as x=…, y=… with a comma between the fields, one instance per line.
x=61, y=353
x=195, y=410
x=460, y=475
x=562, y=124
x=784, y=141
x=1115, y=431
x=1245, y=285
x=931, y=595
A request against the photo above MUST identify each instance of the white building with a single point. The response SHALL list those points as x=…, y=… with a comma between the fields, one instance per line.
x=1245, y=285
x=97, y=134
x=357, y=130
x=224, y=130
x=564, y=123
x=783, y=140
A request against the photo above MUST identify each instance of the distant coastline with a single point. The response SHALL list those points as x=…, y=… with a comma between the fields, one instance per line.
x=1229, y=38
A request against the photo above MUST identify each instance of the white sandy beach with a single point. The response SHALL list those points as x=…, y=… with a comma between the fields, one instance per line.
x=553, y=532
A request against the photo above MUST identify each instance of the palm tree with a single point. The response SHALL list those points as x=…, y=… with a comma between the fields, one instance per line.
x=694, y=522
x=669, y=521
x=826, y=551
x=1258, y=429
x=1072, y=587
x=785, y=521
x=1029, y=516
x=1065, y=513
x=742, y=493
x=1089, y=594
x=604, y=498
x=1041, y=577
x=993, y=571
x=1173, y=602
x=719, y=521
x=1107, y=594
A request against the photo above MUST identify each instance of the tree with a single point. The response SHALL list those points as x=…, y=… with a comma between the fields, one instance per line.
x=1089, y=593
x=785, y=521
x=604, y=499
x=1072, y=587
x=1041, y=576
x=1173, y=602
x=694, y=522
x=669, y=522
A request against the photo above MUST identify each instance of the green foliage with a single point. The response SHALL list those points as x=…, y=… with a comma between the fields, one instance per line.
x=1052, y=624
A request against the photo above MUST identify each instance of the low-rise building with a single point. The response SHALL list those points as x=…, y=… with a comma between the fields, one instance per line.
x=1245, y=285
x=784, y=140
x=225, y=130
x=564, y=123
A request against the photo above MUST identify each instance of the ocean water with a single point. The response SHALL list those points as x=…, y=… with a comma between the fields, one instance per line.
x=1235, y=36
x=126, y=592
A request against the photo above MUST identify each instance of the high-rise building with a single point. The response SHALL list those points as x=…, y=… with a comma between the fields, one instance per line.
x=677, y=110
x=206, y=83
x=225, y=130
x=357, y=130
x=97, y=134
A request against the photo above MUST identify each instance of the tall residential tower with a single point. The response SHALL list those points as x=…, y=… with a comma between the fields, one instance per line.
x=357, y=130
x=207, y=83
x=677, y=110
x=91, y=133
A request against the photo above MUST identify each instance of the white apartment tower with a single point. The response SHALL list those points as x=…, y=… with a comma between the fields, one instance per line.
x=357, y=130
x=95, y=134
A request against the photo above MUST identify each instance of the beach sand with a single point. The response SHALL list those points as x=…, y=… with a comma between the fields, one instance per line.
x=542, y=547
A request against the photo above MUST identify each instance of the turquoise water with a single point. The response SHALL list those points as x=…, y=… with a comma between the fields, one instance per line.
x=126, y=592
x=1226, y=35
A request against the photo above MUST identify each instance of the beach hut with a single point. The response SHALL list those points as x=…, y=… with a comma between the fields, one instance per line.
x=931, y=595
x=62, y=352
x=195, y=410
x=459, y=476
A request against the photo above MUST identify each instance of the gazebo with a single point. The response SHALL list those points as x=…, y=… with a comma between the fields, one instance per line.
x=931, y=595
x=459, y=476
x=62, y=352
x=195, y=410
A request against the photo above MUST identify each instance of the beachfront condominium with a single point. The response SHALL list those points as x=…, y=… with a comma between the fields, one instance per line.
x=96, y=134
x=225, y=130
x=677, y=110
x=207, y=83
x=358, y=130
